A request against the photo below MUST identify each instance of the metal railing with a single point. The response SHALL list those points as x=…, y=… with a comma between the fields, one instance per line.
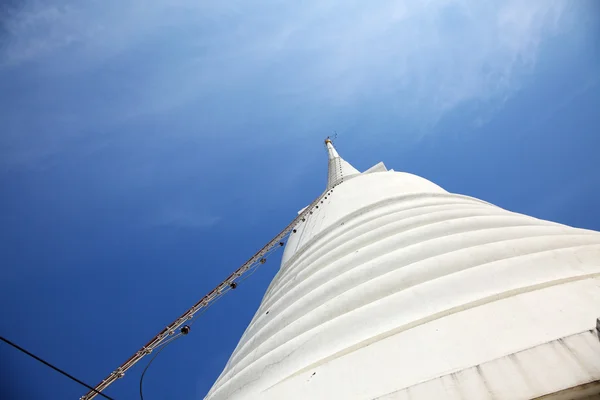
x=206, y=301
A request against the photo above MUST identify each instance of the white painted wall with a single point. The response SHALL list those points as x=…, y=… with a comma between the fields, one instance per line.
x=395, y=289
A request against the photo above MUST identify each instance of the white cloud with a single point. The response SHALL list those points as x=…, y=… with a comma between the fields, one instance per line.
x=177, y=217
x=420, y=59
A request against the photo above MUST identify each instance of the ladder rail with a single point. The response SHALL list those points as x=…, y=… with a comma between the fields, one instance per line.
x=201, y=304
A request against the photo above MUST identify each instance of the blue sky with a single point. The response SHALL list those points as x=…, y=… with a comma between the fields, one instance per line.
x=148, y=148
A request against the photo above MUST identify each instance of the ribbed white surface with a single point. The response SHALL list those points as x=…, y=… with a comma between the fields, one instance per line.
x=393, y=282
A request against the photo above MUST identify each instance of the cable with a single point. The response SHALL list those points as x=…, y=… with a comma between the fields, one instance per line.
x=171, y=340
x=168, y=340
x=152, y=359
x=250, y=271
x=16, y=346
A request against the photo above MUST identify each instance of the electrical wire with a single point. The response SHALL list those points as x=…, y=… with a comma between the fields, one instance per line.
x=16, y=346
x=251, y=271
x=171, y=340
x=168, y=340
x=158, y=349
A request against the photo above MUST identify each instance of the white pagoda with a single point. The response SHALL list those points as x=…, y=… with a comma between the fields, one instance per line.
x=393, y=288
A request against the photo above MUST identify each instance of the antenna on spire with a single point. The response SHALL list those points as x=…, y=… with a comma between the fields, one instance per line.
x=330, y=139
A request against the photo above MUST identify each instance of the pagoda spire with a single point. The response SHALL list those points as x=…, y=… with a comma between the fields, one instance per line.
x=339, y=169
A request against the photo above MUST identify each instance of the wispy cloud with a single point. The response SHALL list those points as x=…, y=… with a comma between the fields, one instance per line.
x=127, y=60
x=183, y=218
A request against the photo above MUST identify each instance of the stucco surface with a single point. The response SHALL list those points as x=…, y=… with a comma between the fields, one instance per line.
x=394, y=288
